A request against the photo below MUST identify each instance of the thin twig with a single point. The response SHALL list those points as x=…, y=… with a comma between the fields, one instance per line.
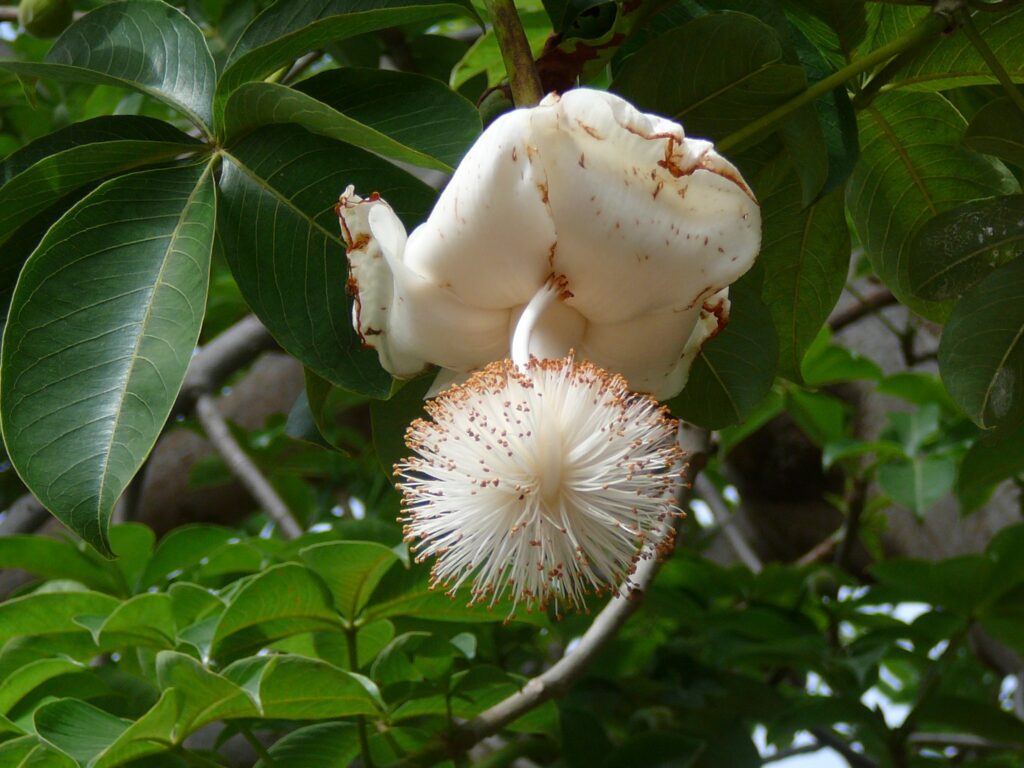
x=867, y=305
x=819, y=551
x=300, y=66
x=960, y=741
x=243, y=468
x=782, y=754
x=855, y=504
x=854, y=758
x=560, y=677
x=727, y=523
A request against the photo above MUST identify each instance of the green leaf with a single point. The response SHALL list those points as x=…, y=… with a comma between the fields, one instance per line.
x=146, y=620
x=322, y=745
x=805, y=252
x=79, y=730
x=998, y=129
x=102, y=326
x=953, y=251
x=952, y=61
x=828, y=363
x=959, y=583
x=283, y=242
x=205, y=695
x=150, y=734
x=181, y=549
x=728, y=72
x=484, y=56
x=144, y=45
x=55, y=559
x=284, y=600
x=918, y=483
x=390, y=418
x=298, y=688
x=913, y=166
x=962, y=714
x=992, y=458
x=403, y=116
x=285, y=31
x=352, y=569
x=43, y=613
x=42, y=172
x=981, y=355
x=24, y=679
x=735, y=370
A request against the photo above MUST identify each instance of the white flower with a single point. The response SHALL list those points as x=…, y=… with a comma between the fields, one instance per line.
x=544, y=481
x=642, y=227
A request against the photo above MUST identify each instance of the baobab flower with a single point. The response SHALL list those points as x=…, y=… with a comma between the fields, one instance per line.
x=645, y=228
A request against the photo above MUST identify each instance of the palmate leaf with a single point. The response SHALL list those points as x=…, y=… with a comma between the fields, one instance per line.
x=278, y=190
x=287, y=30
x=103, y=322
x=145, y=45
x=913, y=165
x=399, y=115
x=43, y=171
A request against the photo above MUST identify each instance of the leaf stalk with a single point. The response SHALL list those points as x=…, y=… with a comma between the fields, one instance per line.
x=515, y=52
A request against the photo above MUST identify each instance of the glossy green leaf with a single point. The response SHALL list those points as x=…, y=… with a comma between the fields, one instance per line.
x=150, y=734
x=953, y=251
x=966, y=714
x=42, y=172
x=181, y=549
x=285, y=31
x=981, y=355
x=278, y=189
x=22, y=680
x=55, y=559
x=805, y=252
x=205, y=695
x=322, y=745
x=79, y=730
x=400, y=115
x=351, y=569
x=43, y=613
x=145, y=45
x=998, y=129
x=147, y=619
x=728, y=71
x=284, y=600
x=103, y=323
x=298, y=688
x=952, y=61
x=913, y=165
x=919, y=483
x=735, y=370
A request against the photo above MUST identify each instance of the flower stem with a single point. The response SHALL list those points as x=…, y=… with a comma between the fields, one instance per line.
x=353, y=663
x=992, y=61
x=931, y=25
x=516, y=53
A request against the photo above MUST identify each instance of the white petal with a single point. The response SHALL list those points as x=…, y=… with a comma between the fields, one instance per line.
x=490, y=234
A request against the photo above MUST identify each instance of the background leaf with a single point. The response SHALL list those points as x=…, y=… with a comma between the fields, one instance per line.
x=981, y=356
x=103, y=323
x=998, y=129
x=913, y=166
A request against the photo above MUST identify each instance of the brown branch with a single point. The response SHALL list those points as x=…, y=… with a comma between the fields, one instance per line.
x=516, y=53
x=243, y=467
x=856, y=760
x=564, y=673
x=865, y=306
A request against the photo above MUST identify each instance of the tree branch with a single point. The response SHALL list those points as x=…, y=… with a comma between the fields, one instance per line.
x=243, y=468
x=727, y=523
x=854, y=758
x=560, y=676
x=865, y=306
x=516, y=53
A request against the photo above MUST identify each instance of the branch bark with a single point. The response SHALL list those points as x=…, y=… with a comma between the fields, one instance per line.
x=243, y=467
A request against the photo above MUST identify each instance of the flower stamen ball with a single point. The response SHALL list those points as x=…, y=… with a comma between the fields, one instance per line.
x=542, y=482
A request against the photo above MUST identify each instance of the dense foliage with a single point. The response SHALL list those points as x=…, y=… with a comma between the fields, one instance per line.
x=170, y=168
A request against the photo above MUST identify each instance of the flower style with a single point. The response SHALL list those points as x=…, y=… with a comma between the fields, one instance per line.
x=643, y=228
x=546, y=480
